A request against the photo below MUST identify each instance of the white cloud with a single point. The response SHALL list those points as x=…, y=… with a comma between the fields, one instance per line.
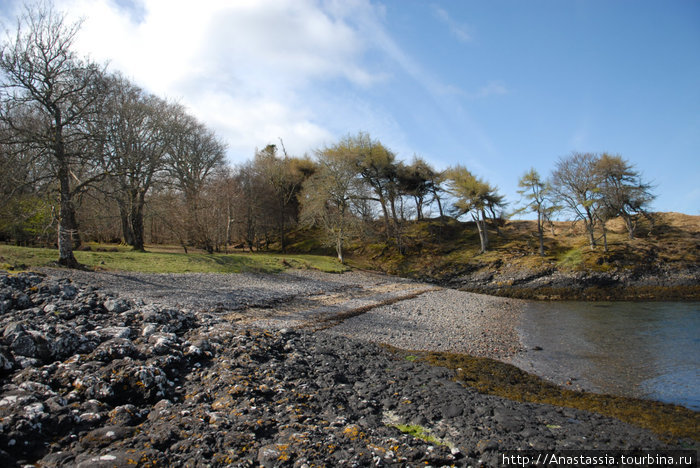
x=258, y=70
x=457, y=29
x=247, y=68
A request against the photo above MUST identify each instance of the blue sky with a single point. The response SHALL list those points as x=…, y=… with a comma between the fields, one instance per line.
x=498, y=86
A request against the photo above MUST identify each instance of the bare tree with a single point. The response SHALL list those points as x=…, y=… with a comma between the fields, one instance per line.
x=135, y=147
x=194, y=153
x=575, y=185
x=55, y=93
x=252, y=197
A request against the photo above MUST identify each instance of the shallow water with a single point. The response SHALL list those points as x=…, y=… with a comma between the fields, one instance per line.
x=647, y=350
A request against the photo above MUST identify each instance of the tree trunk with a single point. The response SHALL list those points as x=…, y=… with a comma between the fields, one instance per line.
x=385, y=212
x=589, y=222
x=419, y=207
x=137, y=224
x=66, y=218
x=483, y=235
x=605, y=238
x=540, y=232
x=283, y=239
x=76, y=241
x=591, y=236
x=127, y=235
x=339, y=246
x=630, y=225
x=396, y=226
x=437, y=199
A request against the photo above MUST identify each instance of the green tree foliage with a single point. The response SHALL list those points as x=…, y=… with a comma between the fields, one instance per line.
x=329, y=197
x=285, y=176
x=377, y=167
x=475, y=197
x=623, y=193
x=536, y=194
x=26, y=219
x=420, y=181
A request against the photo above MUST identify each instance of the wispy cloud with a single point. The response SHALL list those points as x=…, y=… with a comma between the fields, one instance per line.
x=493, y=88
x=457, y=29
x=256, y=70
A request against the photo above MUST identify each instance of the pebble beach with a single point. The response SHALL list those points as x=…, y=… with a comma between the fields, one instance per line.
x=122, y=369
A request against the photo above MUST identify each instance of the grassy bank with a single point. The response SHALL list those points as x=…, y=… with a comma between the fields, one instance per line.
x=493, y=377
x=444, y=250
x=165, y=260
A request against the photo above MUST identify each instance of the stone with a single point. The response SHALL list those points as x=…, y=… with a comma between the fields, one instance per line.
x=116, y=306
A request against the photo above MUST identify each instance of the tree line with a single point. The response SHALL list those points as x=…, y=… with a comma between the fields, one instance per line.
x=86, y=154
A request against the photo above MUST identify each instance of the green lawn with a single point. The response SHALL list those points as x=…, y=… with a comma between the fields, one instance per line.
x=124, y=259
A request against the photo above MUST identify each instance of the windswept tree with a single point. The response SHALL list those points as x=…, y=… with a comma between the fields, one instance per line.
x=421, y=182
x=329, y=196
x=622, y=191
x=574, y=184
x=536, y=194
x=475, y=197
x=377, y=167
x=48, y=95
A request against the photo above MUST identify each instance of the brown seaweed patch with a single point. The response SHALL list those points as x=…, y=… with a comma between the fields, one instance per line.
x=492, y=377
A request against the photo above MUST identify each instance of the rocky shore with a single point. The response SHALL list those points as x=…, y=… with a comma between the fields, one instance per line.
x=650, y=282
x=249, y=370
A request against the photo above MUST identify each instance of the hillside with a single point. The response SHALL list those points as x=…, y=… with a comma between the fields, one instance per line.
x=662, y=262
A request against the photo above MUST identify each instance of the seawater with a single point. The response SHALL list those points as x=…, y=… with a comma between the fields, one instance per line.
x=640, y=349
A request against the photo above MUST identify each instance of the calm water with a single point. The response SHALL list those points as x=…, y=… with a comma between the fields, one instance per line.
x=647, y=350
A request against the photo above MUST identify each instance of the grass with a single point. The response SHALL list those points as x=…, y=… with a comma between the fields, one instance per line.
x=571, y=259
x=419, y=432
x=493, y=377
x=121, y=258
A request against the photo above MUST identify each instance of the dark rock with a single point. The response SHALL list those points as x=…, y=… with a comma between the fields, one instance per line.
x=122, y=458
x=452, y=411
x=89, y=380
x=106, y=435
x=124, y=415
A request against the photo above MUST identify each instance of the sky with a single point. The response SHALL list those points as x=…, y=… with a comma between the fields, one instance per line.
x=497, y=86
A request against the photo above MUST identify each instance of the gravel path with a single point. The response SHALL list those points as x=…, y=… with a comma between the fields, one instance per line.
x=357, y=305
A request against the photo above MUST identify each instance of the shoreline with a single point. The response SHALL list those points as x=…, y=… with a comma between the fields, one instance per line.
x=657, y=283
x=384, y=309
x=90, y=375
